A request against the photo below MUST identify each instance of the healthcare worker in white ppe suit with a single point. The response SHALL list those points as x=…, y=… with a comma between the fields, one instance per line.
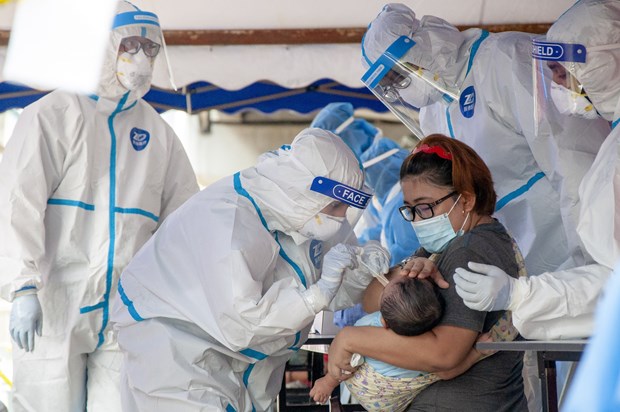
x=477, y=87
x=84, y=182
x=561, y=304
x=215, y=303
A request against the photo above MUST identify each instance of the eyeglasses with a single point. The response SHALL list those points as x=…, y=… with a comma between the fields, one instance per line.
x=132, y=45
x=393, y=81
x=424, y=210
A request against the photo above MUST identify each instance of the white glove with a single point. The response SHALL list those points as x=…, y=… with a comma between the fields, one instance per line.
x=375, y=258
x=488, y=290
x=26, y=319
x=336, y=260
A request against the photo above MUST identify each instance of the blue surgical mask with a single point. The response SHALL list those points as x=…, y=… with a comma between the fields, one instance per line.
x=435, y=233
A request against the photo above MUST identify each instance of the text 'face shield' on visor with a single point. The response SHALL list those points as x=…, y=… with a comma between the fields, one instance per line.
x=556, y=90
x=404, y=88
x=348, y=195
x=341, y=192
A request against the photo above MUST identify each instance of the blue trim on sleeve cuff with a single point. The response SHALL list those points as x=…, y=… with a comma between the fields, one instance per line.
x=294, y=345
x=253, y=354
x=130, y=307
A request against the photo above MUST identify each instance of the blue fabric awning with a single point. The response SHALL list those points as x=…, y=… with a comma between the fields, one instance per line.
x=266, y=97
x=13, y=96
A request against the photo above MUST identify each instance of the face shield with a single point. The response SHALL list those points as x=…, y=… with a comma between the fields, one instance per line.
x=136, y=55
x=405, y=88
x=556, y=90
x=356, y=199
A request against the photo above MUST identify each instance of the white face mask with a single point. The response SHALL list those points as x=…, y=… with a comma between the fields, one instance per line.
x=572, y=104
x=134, y=71
x=322, y=227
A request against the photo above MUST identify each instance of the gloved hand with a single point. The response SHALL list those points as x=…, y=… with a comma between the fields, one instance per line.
x=487, y=288
x=26, y=319
x=335, y=261
x=375, y=258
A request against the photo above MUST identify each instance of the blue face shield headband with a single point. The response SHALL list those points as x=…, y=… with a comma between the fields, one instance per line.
x=561, y=52
x=135, y=17
x=341, y=192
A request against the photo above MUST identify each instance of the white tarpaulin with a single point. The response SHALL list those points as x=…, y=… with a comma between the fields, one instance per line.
x=233, y=67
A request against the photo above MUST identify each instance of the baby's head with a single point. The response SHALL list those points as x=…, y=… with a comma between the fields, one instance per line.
x=411, y=306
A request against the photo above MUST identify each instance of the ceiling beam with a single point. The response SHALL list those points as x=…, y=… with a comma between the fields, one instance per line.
x=305, y=36
x=294, y=36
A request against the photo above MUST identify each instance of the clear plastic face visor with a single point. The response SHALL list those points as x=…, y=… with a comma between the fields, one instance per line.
x=356, y=199
x=403, y=87
x=146, y=24
x=556, y=91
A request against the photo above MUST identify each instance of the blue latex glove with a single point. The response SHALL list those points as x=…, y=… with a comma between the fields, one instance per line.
x=26, y=320
x=358, y=135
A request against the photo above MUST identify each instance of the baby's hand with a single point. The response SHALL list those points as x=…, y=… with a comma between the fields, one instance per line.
x=485, y=337
x=323, y=388
x=422, y=268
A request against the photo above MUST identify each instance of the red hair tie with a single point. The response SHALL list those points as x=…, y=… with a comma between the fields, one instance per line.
x=438, y=150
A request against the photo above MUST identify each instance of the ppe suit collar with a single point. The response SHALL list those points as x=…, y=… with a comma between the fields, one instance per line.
x=122, y=103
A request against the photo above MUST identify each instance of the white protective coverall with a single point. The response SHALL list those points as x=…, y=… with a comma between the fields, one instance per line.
x=561, y=304
x=84, y=182
x=494, y=115
x=217, y=301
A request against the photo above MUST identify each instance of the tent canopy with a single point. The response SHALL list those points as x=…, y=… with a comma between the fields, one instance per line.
x=227, y=56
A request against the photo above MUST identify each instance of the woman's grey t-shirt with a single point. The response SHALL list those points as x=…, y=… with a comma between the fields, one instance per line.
x=495, y=383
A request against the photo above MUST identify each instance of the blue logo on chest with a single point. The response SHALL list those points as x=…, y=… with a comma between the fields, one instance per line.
x=139, y=138
x=316, y=253
x=467, y=101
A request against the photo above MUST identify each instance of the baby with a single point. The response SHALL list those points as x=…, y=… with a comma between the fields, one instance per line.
x=409, y=307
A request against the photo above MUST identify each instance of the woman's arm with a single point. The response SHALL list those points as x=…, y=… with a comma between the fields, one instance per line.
x=441, y=349
x=470, y=360
x=472, y=357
